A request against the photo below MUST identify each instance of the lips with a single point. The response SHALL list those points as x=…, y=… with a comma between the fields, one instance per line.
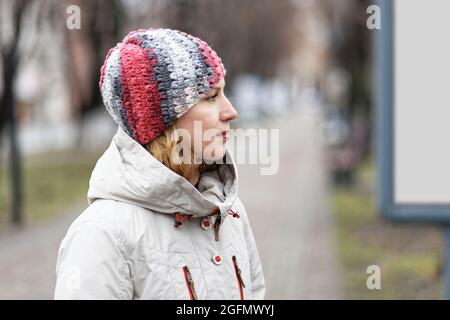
x=225, y=135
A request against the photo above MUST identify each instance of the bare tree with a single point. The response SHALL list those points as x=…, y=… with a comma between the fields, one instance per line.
x=19, y=20
x=86, y=50
x=352, y=49
x=250, y=36
x=10, y=59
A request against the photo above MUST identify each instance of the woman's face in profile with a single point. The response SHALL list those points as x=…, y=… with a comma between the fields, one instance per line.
x=207, y=123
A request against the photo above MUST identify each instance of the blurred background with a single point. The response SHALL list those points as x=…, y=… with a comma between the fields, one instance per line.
x=301, y=66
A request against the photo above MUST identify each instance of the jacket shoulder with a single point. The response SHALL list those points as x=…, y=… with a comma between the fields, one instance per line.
x=112, y=214
x=129, y=223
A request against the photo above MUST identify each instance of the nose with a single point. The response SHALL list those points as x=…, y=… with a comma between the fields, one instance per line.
x=228, y=113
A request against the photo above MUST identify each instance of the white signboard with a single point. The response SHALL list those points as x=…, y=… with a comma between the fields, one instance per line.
x=413, y=109
x=422, y=101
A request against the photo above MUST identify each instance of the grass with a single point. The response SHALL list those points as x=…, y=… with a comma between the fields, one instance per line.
x=52, y=183
x=409, y=256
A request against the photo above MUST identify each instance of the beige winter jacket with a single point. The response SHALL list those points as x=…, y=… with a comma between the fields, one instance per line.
x=150, y=234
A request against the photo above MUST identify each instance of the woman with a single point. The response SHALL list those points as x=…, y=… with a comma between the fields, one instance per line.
x=164, y=220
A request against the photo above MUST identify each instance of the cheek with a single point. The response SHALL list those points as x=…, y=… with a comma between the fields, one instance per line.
x=209, y=120
x=214, y=150
x=202, y=122
x=209, y=129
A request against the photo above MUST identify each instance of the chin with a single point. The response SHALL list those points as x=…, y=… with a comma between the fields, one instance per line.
x=218, y=153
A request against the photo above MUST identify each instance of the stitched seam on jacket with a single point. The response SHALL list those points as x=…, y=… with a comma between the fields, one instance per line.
x=201, y=268
x=122, y=285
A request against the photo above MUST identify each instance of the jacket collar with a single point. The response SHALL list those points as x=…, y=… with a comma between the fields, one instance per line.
x=128, y=172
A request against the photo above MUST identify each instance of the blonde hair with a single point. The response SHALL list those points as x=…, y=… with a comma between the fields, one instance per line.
x=162, y=149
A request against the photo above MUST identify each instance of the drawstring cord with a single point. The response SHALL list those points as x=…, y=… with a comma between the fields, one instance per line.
x=179, y=218
x=234, y=214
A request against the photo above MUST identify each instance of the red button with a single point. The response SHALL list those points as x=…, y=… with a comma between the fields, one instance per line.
x=205, y=223
x=217, y=259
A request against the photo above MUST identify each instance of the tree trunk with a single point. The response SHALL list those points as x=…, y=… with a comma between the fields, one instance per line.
x=9, y=121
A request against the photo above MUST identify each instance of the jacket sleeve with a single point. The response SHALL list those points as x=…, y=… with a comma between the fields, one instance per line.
x=91, y=265
x=257, y=275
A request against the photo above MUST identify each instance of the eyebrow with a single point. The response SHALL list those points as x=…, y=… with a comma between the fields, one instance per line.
x=214, y=90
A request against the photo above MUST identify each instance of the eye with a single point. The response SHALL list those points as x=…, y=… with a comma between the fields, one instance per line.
x=212, y=98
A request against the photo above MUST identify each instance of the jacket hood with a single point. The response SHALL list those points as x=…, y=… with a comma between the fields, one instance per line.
x=127, y=172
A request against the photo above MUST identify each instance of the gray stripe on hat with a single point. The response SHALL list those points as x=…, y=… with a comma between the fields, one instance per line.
x=112, y=91
x=162, y=73
x=200, y=76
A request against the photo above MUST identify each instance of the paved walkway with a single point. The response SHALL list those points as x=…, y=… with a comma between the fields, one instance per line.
x=289, y=214
x=28, y=258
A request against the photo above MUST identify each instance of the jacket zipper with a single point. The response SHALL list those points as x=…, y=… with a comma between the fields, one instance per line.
x=189, y=283
x=239, y=278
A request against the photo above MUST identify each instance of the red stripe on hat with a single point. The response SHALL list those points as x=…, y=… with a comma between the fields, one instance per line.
x=140, y=96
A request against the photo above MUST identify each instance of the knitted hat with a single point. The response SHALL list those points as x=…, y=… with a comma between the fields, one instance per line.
x=154, y=76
